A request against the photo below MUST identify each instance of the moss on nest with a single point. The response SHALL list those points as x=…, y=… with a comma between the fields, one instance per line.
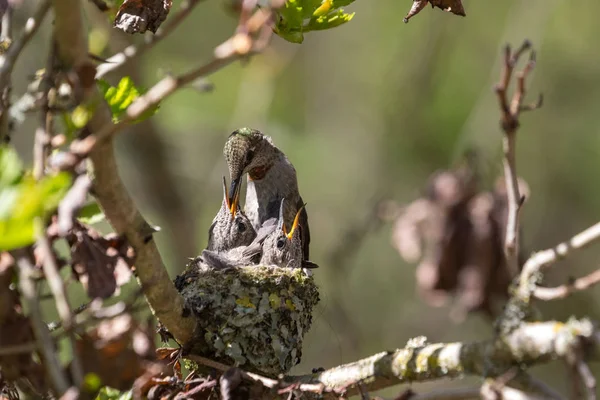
x=255, y=316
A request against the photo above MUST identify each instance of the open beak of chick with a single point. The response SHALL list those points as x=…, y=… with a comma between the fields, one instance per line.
x=290, y=234
x=233, y=200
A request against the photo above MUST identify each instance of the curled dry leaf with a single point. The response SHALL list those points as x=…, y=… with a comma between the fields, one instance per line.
x=453, y=6
x=101, y=264
x=137, y=16
x=457, y=233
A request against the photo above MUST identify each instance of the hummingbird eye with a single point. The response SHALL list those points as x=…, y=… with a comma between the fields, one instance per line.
x=280, y=243
x=241, y=227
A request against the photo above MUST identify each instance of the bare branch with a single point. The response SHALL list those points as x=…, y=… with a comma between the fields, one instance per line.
x=7, y=61
x=45, y=343
x=133, y=51
x=57, y=288
x=542, y=259
x=510, y=123
x=120, y=210
x=560, y=292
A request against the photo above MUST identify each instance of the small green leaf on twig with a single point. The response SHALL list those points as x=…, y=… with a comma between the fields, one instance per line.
x=300, y=16
x=121, y=97
x=91, y=214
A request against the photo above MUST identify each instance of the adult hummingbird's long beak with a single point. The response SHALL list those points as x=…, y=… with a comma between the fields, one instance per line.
x=233, y=205
x=234, y=188
x=290, y=235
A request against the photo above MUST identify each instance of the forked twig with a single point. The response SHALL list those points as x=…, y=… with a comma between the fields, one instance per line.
x=510, y=123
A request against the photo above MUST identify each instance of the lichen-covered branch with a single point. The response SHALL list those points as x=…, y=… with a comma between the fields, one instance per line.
x=114, y=199
x=527, y=345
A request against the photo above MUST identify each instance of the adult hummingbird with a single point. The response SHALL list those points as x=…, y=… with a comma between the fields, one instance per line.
x=230, y=228
x=271, y=177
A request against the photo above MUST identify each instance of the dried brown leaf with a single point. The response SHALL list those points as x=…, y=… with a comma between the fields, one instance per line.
x=453, y=6
x=102, y=264
x=137, y=16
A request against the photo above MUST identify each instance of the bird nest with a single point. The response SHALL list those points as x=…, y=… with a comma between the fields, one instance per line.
x=254, y=317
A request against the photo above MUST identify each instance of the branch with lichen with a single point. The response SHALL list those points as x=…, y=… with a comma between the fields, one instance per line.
x=527, y=345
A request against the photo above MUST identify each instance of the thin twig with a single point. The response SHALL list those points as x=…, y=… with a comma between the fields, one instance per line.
x=56, y=285
x=43, y=133
x=6, y=37
x=542, y=259
x=130, y=52
x=167, y=86
x=562, y=291
x=510, y=123
x=7, y=61
x=43, y=338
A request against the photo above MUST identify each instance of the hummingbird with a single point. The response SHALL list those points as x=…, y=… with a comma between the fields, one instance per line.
x=283, y=248
x=230, y=228
x=271, y=178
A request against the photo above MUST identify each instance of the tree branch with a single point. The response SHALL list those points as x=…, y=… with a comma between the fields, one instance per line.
x=112, y=195
x=7, y=61
x=130, y=52
x=42, y=335
x=529, y=344
x=540, y=260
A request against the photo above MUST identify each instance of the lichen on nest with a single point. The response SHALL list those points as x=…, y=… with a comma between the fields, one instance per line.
x=254, y=317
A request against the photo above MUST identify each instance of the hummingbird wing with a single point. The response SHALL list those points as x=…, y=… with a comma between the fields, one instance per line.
x=218, y=260
x=255, y=248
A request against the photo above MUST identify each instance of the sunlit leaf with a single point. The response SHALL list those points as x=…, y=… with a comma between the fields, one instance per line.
x=91, y=214
x=108, y=393
x=121, y=97
x=300, y=16
x=10, y=166
x=23, y=203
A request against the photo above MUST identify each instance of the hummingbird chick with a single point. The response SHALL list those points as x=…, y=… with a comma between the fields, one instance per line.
x=230, y=228
x=271, y=178
x=283, y=248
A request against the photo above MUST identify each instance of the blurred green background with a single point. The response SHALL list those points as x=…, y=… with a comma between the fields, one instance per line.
x=366, y=110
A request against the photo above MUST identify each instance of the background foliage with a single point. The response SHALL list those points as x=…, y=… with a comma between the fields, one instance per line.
x=366, y=110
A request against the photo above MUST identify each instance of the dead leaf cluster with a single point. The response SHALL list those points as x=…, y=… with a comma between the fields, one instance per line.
x=101, y=263
x=457, y=231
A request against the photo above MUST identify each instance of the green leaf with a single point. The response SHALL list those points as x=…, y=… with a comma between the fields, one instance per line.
x=91, y=214
x=328, y=21
x=108, y=393
x=21, y=204
x=121, y=97
x=11, y=168
x=300, y=16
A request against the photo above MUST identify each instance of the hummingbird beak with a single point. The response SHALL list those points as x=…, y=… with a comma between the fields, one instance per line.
x=233, y=206
x=234, y=188
x=290, y=235
x=226, y=195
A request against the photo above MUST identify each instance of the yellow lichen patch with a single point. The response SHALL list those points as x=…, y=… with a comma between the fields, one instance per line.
x=274, y=300
x=558, y=326
x=245, y=302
